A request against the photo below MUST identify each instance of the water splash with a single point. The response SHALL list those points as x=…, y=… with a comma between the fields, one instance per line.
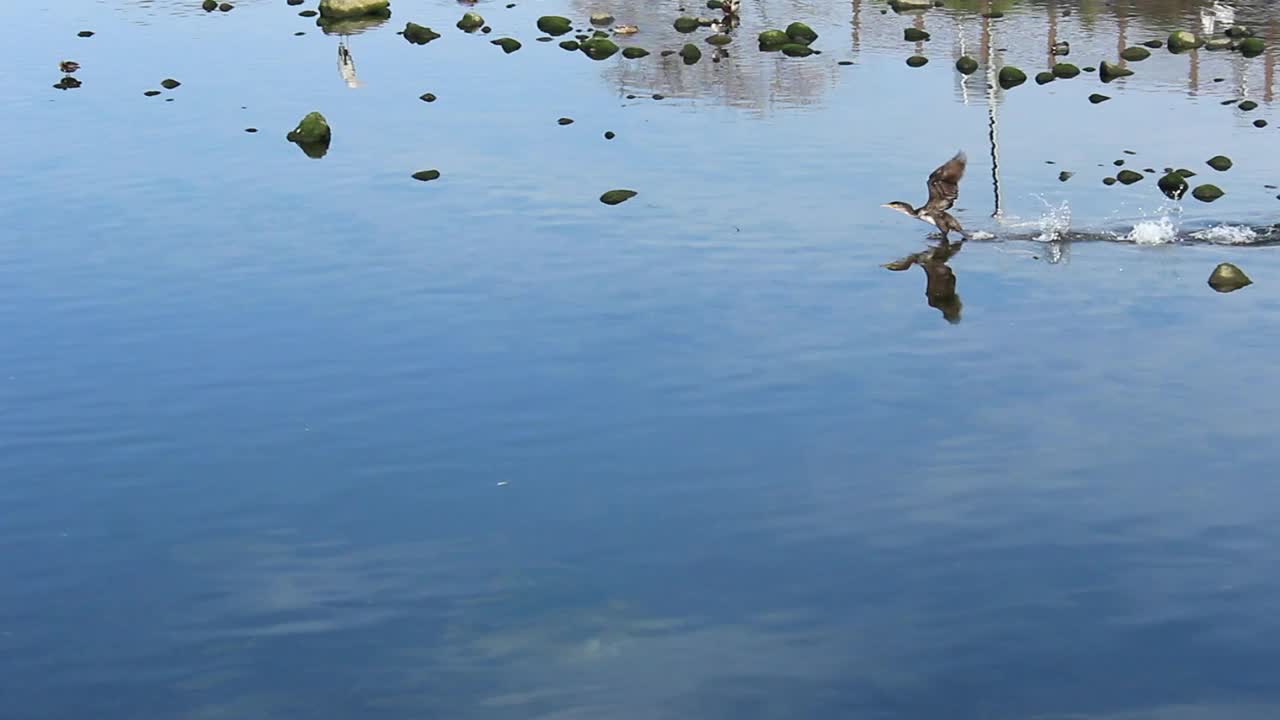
x=1227, y=235
x=1158, y=228
x=1055, y=222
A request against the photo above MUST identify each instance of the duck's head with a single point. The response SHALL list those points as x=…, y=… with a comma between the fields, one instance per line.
x=901, y=207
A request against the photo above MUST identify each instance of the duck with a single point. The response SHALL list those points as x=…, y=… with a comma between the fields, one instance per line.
x=731, y=7
x=1062, y=47
x=944, y=188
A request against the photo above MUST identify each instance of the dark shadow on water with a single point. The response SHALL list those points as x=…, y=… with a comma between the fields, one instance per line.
x=940, y=279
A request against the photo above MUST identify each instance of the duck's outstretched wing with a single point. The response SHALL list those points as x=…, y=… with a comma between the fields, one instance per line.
x=944, y=183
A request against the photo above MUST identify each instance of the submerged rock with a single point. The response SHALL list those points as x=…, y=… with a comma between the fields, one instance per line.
x=690, y=53
x=1044, y=78
x=914, y=35
x=966, y=65
x=1109, y=72
x=1153, y=44
x=1218, y=44
x=614, y=197
x=685, y=24
x=418, y=34
x=1182, y=41
x=570, y=45
x=1097, y=98
x=565, y=121
x=634, y=53
x=1247, y=105
x=1011, y=77
x=796, y=50
x=1227, y=277
x=773, y=39
x=917, y=61
x=1066, y=71
x=598, y=48
x=800, y=33
x=1135, y=54
x=719, y=40
x=1221, y=163
x=426, y=175
x=470, y=22
x=338, y=9
x=169, y=83
x=1129, y=177
x=1252, y=47
x=601, y=19
x=1108, y=181
x=226, y=7
x=1207, y=193
x=1173, y=185
x=1238, y=31
x=508, y=45
x=151, y=93
x=554, y=24
x=1259, y=123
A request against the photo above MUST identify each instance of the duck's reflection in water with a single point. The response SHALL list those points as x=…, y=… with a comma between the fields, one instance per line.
x=940, y=279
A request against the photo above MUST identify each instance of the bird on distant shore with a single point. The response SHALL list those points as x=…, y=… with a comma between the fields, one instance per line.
x=944, y=188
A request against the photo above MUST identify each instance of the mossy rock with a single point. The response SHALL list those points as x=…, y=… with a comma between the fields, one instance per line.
x=426, y=175
x=715, y=4
x=1129, y=177
x=614, y=197
x=1252, y=47
x=1207, y=193
x=1108, y=72
x=1153, y=44
x=1044, y=78
x=311, y=129
x=1066, y=71
x=601, y=19
x=914, y=35
x=169, y=83
x=634, y=53
x=901, y=6
x=801, y=34
x=1011, y=77
x=796, y=50
x=1137, y=53
x=598, y=48
x=916, y=61
x=209, y=5
x=1221, y=163
x=966, y=65
x=1217, y=44
x=719, y=40
x=690, y=53
x=1108, y=181
x=554, y=24
x=1098, y=98
x=570, y=45
x=686, y=24
x=1259, y=123
x=470, y=22
x=1182, y=41
x=773, y=39
x=342, y=9
x=418, y=34
x=1173, y=185
x=508, y=45
x=1227, y=277
x=1247, y=105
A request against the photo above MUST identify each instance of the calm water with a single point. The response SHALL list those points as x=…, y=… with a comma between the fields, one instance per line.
x=286, y=438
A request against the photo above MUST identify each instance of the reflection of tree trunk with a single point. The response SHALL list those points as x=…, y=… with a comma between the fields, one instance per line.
x=1122, y=22
x=1269, y=64
x=857, y=24
x=918, y=24
x=1053, y=32
x=1195, y=71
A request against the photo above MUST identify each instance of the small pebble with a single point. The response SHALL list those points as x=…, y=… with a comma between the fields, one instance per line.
x=251, y=130
x=226, y=7
x=427, y=97
x=151, y=93
x=565, y=121
x=299, y=33
x=1259, y=123
x=609, y=135
x=659, y=96
x=845, y=62
x=295, y=2
x=169, y=83
x=307, y=13
x=426, y=175
x=85, y=33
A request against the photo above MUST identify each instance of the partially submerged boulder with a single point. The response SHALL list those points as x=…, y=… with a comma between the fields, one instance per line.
x=1182, y=41
x=601, y=18
x=690, y=53
x=1109, y=72
x=419, y=34
x=796, y=50
x=1227, y=277
x=1173, y=185
x=338, y=9
x=1252, y=47
x=1219, y=44
x=800, y=33
x=634, y=53
x=1011, y=77
x=1207, y=193
x=614, y=197
x=1128, y=177
x=508, y=45
x=719, y=40
x=1044, y=78
x=312, y=135
x=1066, y=71
x=1097, y=98
x=685, y=24
x=773, y=39
x=966, y=65
x=916, y=61
x=470, y=22
x=1221, y=163
x=1137, y=53
x=915, y=35
x=598, y=48
x=900, y=6
x=554, y=24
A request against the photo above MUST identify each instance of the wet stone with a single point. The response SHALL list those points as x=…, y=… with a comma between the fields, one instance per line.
x=634, y=53
x=1248, y=105
x=1044, y=78
x=1259, y=123
x=1065, y=71
x=565, y=121
x=1097, y=98
x=85, y=34
x=966, y=65
x=1108, y=181
x=1129, y=177
x=151, y=93
x=1135, y=54
x=1227, y=278
x=614, y=197
x=226, y=7
x=427, y=97
x=419, y=34
x=1207, y=193
x=169, y=83
x=508, y=45
x=251, y=130
x=209, y=5
x=609, y=135
x=1221, y=163
x=1011, y=77
x=571, y=45
x=1065, y=176
x=308, y=13
x=915, y=35
x=426, y=175
x=916, y=61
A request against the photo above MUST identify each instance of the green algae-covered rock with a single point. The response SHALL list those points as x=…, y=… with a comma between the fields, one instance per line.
x=901, y=6
x=614, y=197
x=209, y=5
x=796, y=50
x=418, y=34
x=598, y=48
x=966, y=65
x=1044, y=78
x=800, y=33
x=1128, y=177
x=470, y=22
x=1011, y=77
x=715, y=4
x=685, y=24
x=917, y=61
x=1137, y=53
x=1066, y=71
x=1182, y=41
x=1153, y=44
x=719, y=40
x=1259, y=123
x=1252, y=47
x=426, y=175
x=1227, y=277
x=554, y=24
x=1108, y=181
x=1247, y=105
x=773, y=39
x=601, y=19
x=1207, y=193
x=169, y=83
x=1097, y=98
x=570, y=45
x=634, y=53
x=1109, y=72
x=914, y=35
x=1221, y=163
x=339, y=9
x=1219, y=44
x=690, y=53
x=311, y=129
x=508, y=45
x=1173, y=185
